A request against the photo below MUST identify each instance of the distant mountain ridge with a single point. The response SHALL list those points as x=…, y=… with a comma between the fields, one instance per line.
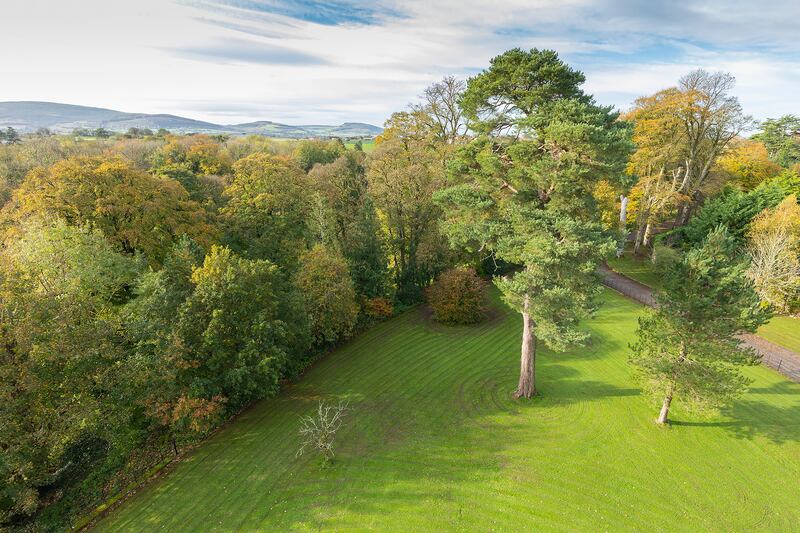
x=63, y=118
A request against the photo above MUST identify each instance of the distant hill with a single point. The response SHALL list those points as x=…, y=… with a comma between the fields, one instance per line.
x=63, y=118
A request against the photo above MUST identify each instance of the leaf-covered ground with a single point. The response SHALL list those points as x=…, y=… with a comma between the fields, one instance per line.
x=435, y=442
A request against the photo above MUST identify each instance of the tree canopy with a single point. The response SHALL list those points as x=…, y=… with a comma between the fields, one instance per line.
x=138, y=212
x=523, y=189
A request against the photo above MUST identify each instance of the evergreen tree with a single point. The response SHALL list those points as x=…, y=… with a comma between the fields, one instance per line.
x=525, y=192
x=11, y=136
x=688, y=347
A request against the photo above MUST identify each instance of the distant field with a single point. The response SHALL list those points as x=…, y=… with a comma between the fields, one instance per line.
x=434, y=442
x=367, y=146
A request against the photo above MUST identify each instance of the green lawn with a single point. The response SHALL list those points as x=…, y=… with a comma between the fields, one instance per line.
x=784, y=331
x=639, y=268
x=434, y=442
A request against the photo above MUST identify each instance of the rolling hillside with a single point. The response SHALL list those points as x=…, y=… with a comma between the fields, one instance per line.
x=63, y=118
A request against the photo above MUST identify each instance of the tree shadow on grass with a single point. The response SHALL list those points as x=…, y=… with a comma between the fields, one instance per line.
x=779, y=387
x=564, y=383
x=748, y=419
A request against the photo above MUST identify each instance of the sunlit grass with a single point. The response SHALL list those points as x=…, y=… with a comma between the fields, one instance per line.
x=435, y=442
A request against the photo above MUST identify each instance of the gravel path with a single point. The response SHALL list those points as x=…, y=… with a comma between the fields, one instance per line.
x=781, y=359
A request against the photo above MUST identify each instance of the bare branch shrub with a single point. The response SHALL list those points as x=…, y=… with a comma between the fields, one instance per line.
x=318, y=431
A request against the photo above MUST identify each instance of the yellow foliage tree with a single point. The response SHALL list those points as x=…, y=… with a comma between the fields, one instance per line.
x=679, y=134
x=748, y=164
x=774, y=248
x=135, y=210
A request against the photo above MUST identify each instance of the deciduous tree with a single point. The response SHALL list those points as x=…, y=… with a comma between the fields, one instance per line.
x=60, y=354
x=679, y=134
x=458, y=296
x=330, y=299
x=311, y=152
x=405, y=169
x=347, y=221
x=774, y=249
x=134, y=210
x=747, y=164
x=266, y=214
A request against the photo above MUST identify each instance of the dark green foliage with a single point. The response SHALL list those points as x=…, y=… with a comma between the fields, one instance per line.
x=688, y=348
x=733, y=209
x=346, y=220
x=458, y=296
x=516, y=87
x=782, y=138
x=528, y=199
x=233, y=330
x=10, y=136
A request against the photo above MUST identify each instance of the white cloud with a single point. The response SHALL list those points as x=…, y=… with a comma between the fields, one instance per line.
x=227, y=64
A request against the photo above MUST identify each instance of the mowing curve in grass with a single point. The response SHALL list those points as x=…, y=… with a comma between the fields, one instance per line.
x=434, y=441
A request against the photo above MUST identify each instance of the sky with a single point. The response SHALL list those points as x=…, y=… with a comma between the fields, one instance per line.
x=314, y=62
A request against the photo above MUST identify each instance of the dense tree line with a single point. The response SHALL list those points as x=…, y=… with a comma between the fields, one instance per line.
x=151, y=286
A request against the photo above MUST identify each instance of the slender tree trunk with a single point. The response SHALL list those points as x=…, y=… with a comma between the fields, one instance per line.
x=527, y=370
x=683, y=215
x=642, y=223
x=637, y=243
x=623, y=210
x=647, y=231
x=623, y=222
x=174, y=447
x=663, y=416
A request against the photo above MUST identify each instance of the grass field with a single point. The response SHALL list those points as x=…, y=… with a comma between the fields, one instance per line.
x=434, y=442
x=367, y=146
x=784, y=331
x=639, y=268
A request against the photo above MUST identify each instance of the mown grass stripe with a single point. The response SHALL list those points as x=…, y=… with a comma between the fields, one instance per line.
x=435, y=442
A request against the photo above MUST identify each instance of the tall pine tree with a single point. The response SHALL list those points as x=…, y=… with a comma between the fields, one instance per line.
x=523, y=189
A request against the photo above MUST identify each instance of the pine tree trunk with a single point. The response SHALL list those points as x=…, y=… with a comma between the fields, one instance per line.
x=663, y=416
x=527, y=370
